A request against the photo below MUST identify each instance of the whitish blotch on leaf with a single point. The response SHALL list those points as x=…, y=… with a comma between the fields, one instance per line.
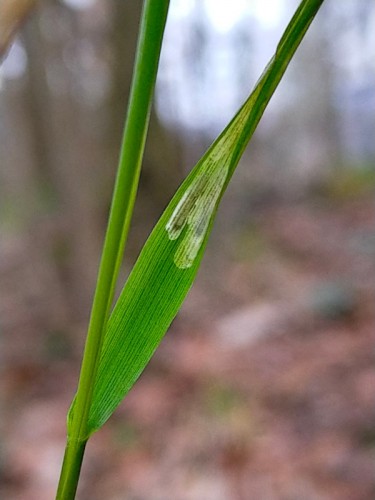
x=194, y=210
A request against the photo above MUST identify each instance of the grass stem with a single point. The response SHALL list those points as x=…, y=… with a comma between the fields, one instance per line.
x=71, y=469
x=153, y=21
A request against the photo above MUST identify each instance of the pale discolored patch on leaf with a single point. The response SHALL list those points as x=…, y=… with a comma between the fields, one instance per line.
x=194, y=211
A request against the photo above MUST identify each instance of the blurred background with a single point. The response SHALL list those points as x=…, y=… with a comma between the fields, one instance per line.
x=263, y=387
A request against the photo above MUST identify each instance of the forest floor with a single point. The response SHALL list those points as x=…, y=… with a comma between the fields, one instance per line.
x=263, y=389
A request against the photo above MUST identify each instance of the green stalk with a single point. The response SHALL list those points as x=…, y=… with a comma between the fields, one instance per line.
x=71, y=469
x=153, y=21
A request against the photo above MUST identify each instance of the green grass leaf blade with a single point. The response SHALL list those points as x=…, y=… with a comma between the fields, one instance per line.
x=169, y=261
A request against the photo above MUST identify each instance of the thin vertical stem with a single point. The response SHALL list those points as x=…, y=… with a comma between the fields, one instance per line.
x=153, y=21
x=71, y=469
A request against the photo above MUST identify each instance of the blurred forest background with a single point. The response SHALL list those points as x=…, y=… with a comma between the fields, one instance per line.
x=263, y=388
